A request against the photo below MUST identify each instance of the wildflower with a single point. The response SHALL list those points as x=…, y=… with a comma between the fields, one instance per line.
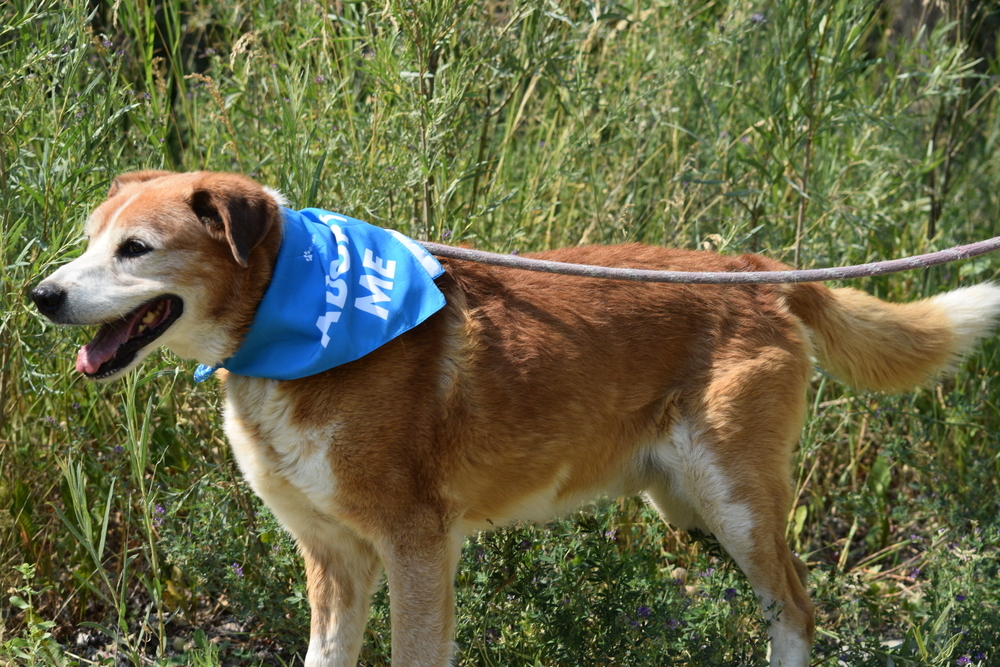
x=525, y=545
x=643, y=612
x=978, y=657
x=611, y=534
x=758, y=18
x=959, y=598
x=107, y=43
x=159, y=511
x=445, y=234
x=730, y=594
x=964, y=660
x=118, y=449
x=237, y=569
x=210, y=52
x=915, y=573
x=320, y=79
x=673, y=623
x=515, y=252
x=707, y=573
x=274, y=65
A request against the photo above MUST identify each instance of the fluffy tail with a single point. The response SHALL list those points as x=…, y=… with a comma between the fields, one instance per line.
x=872, y=344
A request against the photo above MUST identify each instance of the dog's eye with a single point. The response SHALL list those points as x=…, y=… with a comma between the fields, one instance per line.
x=133, y=248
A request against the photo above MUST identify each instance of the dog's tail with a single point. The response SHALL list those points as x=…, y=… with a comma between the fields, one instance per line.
x=872, y=344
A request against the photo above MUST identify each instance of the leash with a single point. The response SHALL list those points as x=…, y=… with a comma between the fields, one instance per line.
x=718, y=277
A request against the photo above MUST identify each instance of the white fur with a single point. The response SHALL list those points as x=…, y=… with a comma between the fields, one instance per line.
x=278, y=454
x=278, y=197
x=972, y=311
x=788, y=648
x=696, y=492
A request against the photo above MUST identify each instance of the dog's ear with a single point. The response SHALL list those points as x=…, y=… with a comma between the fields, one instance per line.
x=134, y=177
x=234, y=209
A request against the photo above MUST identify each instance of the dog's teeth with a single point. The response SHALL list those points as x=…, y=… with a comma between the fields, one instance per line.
x=150, y=316
x=142, y=327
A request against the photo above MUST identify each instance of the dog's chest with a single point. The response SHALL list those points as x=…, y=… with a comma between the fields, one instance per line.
x=287, y=464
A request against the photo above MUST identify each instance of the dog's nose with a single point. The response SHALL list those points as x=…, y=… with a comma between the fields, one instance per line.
x=48, y=299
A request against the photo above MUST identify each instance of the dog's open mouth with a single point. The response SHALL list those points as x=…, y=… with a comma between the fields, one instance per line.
x=117, y=342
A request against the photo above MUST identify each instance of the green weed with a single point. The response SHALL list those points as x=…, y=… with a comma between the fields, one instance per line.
x=807, y=131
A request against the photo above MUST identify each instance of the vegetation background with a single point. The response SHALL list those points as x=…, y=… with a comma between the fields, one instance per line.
x=818, y=132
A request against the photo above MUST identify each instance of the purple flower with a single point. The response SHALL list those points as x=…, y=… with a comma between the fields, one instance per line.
x=209, y=52
x=159, y=511
x=611, y=534
x=759, y=18
x=730, y=594
x=320, y=79
x=964, y=660
x=979, y=656
x=237, y=569
x=915, y=573
x=515, y=252
x=707, y=573
x=445, y=234
x=525, y=545
x=960, y=598
x=107, y=43
x=643, y=612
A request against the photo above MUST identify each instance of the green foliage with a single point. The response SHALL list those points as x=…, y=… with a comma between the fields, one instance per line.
x=803, y=130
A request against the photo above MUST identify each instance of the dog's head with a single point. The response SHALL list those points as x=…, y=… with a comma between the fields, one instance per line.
x=179, y=260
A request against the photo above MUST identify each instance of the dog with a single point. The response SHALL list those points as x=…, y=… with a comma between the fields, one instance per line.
x=523, y=396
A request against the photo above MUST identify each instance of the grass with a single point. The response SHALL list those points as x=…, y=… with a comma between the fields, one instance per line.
x=801, y=130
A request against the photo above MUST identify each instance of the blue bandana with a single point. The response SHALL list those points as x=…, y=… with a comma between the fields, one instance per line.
x=341, y=288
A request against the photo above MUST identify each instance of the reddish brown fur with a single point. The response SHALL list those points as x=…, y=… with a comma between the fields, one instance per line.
x=525, y=395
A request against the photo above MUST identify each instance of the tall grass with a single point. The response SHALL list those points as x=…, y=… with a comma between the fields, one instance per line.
x=802, y=130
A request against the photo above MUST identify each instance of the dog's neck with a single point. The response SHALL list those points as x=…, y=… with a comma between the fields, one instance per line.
x=339, y=289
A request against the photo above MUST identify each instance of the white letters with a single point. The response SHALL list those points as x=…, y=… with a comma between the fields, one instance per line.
x=367, y=303
x=336, y=287
x=377, y=279
x=387, y=269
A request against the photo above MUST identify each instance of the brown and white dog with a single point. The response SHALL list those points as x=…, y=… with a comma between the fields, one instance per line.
x=525, y=396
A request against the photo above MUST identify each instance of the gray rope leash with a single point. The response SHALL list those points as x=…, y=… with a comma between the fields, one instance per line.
x=718, y=277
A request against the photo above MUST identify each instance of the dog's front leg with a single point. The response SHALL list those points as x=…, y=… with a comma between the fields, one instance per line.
x=420, y=568
x=342, y=571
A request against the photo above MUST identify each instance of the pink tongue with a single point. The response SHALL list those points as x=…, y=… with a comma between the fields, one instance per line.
x=103, y=347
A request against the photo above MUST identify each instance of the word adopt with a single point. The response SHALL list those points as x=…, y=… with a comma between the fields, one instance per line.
x=377, y=279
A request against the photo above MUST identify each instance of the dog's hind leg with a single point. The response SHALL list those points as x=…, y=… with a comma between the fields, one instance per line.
x=747, y=517
x=725, y=469
x=342, y=571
